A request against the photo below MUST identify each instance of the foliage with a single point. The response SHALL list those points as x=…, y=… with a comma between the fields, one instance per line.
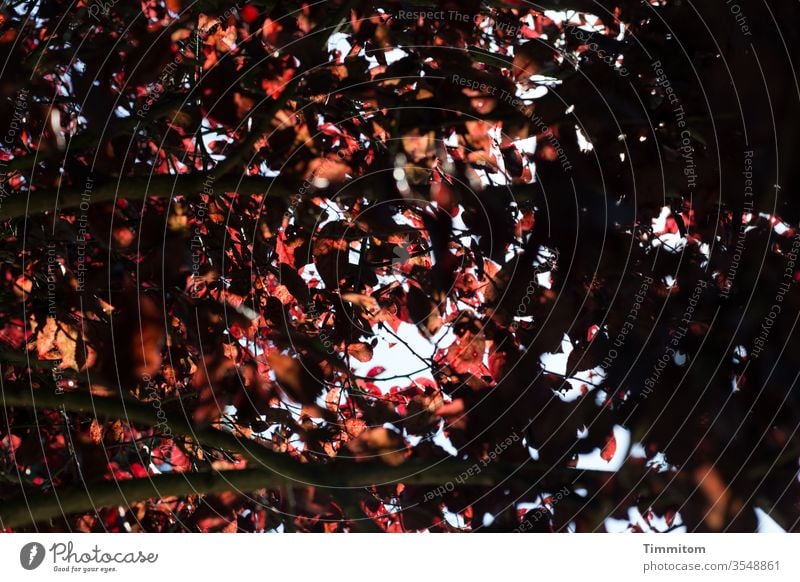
x=328, y=267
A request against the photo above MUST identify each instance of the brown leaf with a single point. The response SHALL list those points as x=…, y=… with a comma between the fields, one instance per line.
x=209, y=382
x=58, y=341
x=466, y=355
x=148, y=337
x=379, y=443
x=96, y=432
x=300, y=380
x=365, y=302
x=360, y=351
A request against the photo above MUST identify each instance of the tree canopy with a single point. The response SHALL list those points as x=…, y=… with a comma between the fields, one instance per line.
x=395, y=266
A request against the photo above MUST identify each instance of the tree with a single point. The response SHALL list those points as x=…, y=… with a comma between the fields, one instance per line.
x=484, y=266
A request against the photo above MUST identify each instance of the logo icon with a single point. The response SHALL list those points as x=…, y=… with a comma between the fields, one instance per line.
x=31, y=555
x=401, y=255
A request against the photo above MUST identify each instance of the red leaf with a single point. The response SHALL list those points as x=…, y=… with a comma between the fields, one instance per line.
x=138, y=470
x=609, y=449
x=249, y=13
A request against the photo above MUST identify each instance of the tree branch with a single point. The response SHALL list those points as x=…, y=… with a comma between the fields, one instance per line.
x=275, y=469
x=42, y=507
x=139, y=187
x=134, y=411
